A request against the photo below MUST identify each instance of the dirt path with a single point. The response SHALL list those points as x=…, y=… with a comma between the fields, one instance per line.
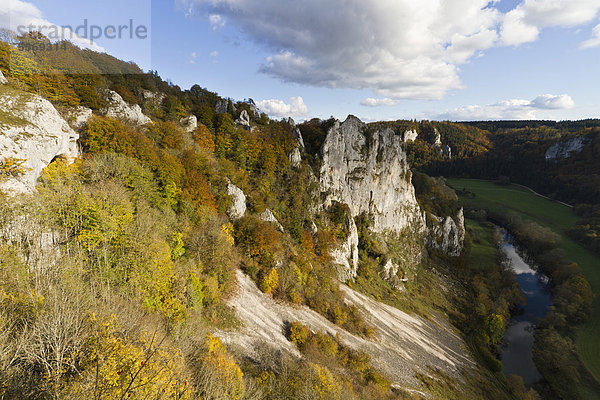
x=403, y=344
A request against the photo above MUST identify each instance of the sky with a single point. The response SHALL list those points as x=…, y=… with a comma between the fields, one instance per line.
x=375, y=59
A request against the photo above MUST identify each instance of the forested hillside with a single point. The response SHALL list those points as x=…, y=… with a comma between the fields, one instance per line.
x=118, y=271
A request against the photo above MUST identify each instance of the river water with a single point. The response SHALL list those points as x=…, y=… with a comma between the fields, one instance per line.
x=516, y=354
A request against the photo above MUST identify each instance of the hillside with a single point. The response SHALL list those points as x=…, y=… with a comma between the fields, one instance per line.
x=165, y=243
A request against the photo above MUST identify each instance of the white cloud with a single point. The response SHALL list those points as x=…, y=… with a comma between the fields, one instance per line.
x=18, y=16
x=193, y=57
x=553, y=102
x=281, y=109
x=509, y=109
x=523, y=24
x=396, y=48
x=216, y=21
x=594, y=41
x=371, y=102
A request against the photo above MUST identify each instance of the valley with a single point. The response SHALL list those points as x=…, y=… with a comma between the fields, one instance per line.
x=559, y=218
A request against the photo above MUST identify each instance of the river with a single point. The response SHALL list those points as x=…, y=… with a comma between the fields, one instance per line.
x=516, y=354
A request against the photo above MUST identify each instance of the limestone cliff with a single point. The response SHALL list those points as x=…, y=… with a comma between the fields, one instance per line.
x=119, y=109
x=564, y=149
x=367, y=169
x=33, y=130
x=447, y=234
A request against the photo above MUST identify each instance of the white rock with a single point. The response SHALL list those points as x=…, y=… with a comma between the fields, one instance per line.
x=447, y=235
x=268, y=216
x=221, y=106
x=437, y=138
x=298, y=137
x=119, y=109
x=244, y=119
x=446, y=151
x=566, y=148
x=79, y=116
x=369, y=172
x=346, y=256
x=35, y=132
x=390, y=269
x=410, y=135
x=155, y=96
x=295, y=158
x=190, y=123
x=238, y=202
x=3, y=80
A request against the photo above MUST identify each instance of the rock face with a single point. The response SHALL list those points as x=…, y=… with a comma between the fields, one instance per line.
x=189, y=124
x=295, y=158
x=298, y=137
x=153, y=96
x=243, y=120
x=436, y=138
x=447, y=235
x=79, y=117
x=238, y=202
x=3, y=80
x=390, y=269
x=221, y=106
x=368, y=171
x=346, y=256
x=410, y=136
x=268, y=216
x=446, y=151
x=119, y=109
x=566, y=148
x=32, y=129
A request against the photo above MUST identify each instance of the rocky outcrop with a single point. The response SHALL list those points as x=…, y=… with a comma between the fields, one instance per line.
x=367, y=170
x=238, y=202
x=410, y=136
x=268, y=216
x=345, y=257
x=390, y=269
x=565, y=149
x=297, y=134
x=3, y=80
x=153, y=96
x=446, y=151
x=447, y=234
x=32, y=129
x=243, y=120
x=436, y=138
x=119, y=109
x=189, y=124
x=296, y=155
x=221, y=106
x=79, y=116
x=295, y=158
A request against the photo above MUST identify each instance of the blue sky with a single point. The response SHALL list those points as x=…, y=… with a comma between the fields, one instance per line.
x=376, y=59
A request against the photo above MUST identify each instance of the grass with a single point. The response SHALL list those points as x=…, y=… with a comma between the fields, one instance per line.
x=559, y=218
x=484, y=249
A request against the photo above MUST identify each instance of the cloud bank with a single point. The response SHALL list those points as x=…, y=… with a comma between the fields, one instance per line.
x=399, y=49
x=281, y=109
x=508, y=109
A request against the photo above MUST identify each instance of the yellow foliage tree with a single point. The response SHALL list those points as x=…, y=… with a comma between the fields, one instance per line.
x=220, y=377
x=120, y=367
